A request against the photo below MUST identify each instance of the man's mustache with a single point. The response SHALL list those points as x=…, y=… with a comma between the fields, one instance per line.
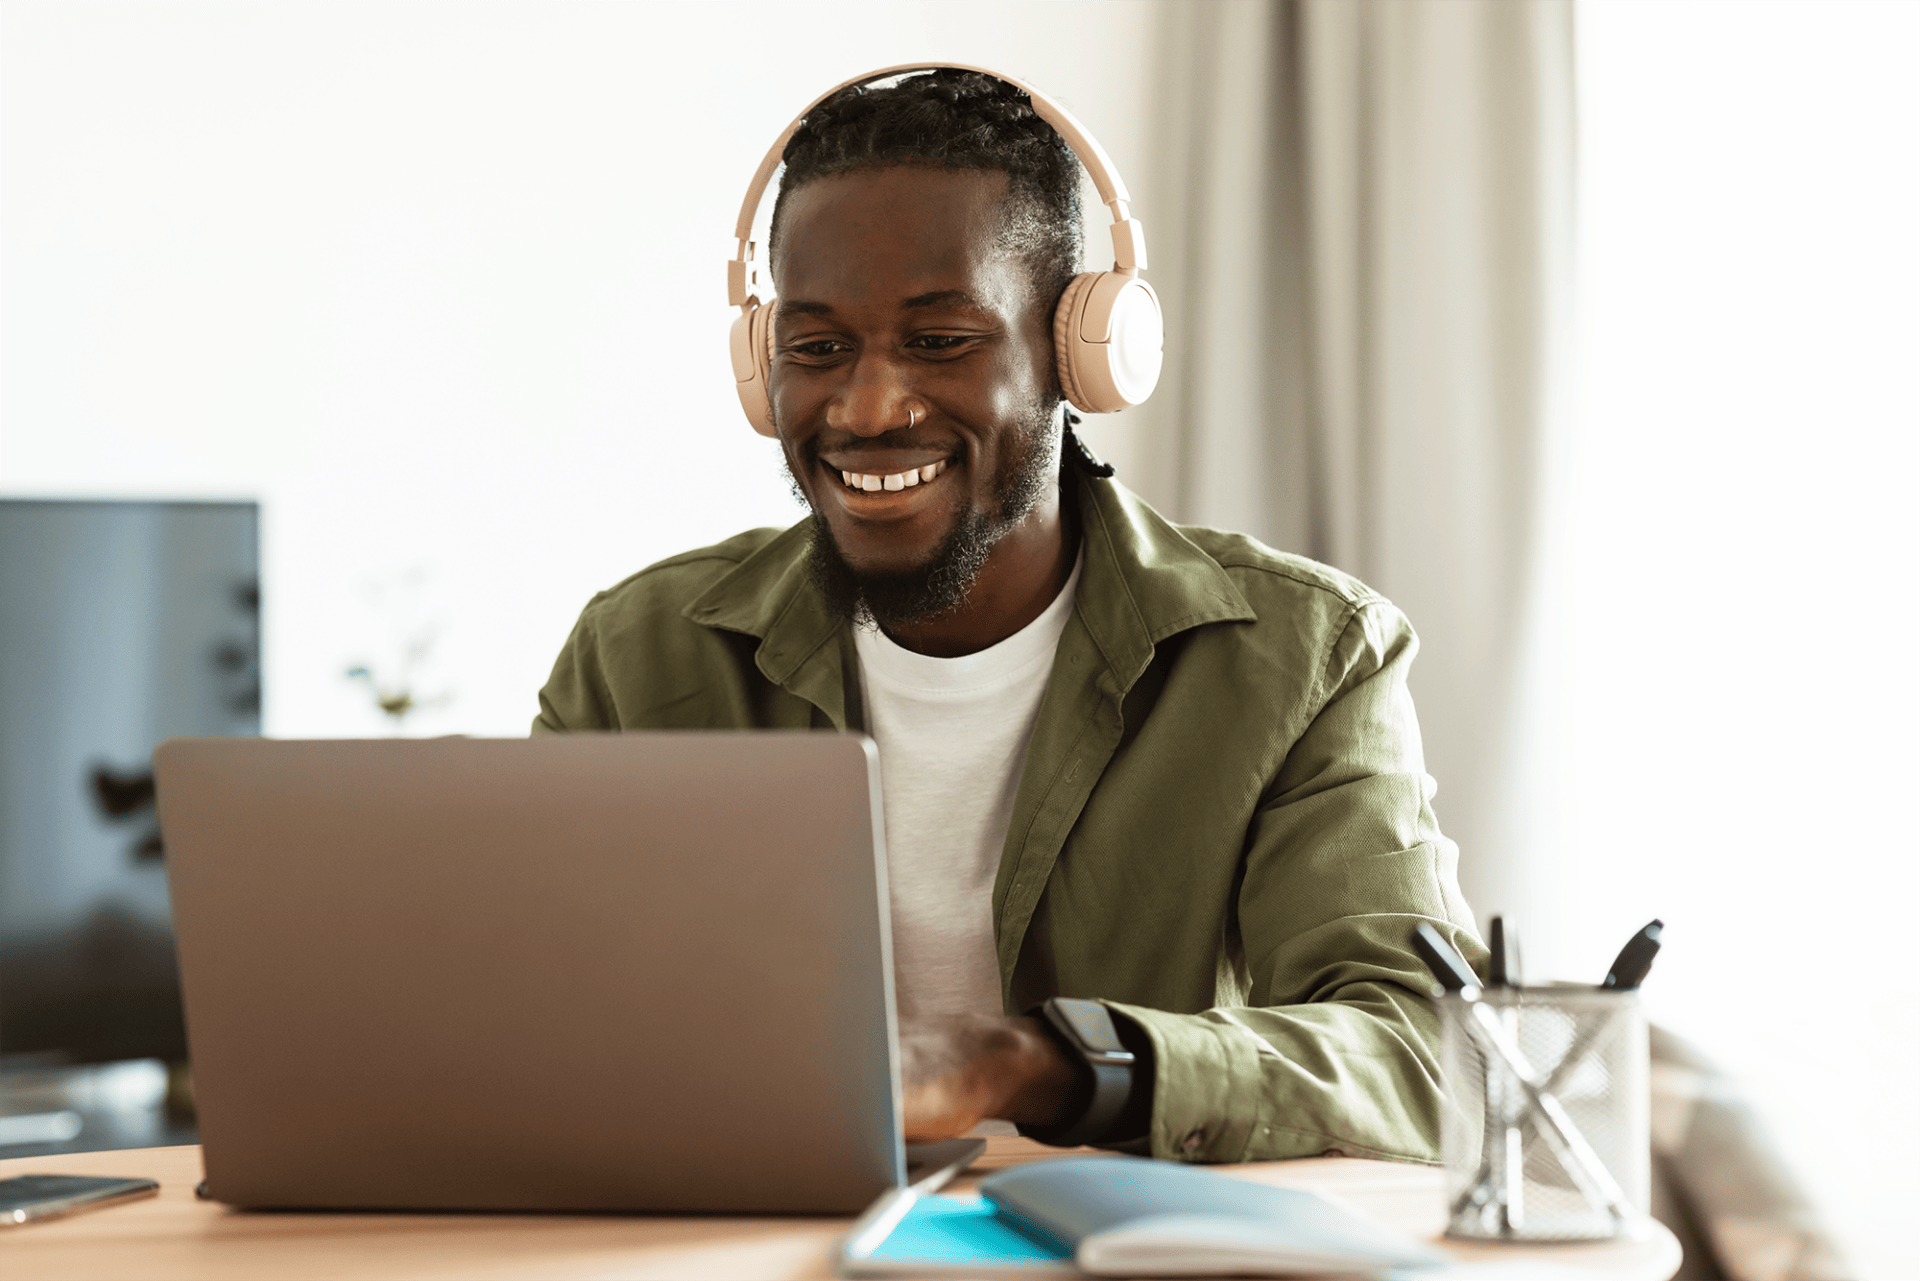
x=848, y=442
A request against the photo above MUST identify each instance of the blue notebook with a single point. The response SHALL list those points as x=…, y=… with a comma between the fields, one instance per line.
x=1123, y=1216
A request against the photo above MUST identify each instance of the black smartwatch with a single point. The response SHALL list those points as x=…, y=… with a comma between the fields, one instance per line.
x=1084, y=1029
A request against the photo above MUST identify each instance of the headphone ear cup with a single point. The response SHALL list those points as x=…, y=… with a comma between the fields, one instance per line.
x=1107, y=341
x=1064, y=348
x=751, y=345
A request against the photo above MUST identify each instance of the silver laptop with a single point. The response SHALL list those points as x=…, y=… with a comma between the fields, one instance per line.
x=583, y=972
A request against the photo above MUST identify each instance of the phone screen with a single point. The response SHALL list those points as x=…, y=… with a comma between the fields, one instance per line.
x=31, y=1197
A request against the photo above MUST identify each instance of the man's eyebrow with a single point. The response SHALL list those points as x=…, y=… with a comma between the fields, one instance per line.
x=943, y=298
x=936, y=298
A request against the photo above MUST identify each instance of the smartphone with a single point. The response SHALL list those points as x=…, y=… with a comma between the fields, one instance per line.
x=33, y=1197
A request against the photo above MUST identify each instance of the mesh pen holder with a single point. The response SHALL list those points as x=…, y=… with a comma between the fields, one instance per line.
x=1544, y=1132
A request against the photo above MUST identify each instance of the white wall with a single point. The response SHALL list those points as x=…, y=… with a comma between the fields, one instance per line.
x=441, y=284
x=1742, y=575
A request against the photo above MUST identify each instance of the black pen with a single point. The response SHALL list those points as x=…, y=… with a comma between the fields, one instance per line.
x=1503, y=946
x=1635, y=959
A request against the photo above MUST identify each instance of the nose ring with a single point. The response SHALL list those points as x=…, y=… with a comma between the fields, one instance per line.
x=913, y=416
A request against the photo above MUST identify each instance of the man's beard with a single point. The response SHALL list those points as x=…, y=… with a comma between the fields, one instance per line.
x=889, y=598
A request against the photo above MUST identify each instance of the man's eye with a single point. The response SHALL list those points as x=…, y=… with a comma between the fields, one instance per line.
x=819, y=349
x=938, y=342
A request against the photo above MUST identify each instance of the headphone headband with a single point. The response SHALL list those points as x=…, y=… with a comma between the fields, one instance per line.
x=1129, y=242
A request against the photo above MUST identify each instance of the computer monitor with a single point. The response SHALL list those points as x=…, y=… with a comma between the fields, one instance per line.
x=122, y=623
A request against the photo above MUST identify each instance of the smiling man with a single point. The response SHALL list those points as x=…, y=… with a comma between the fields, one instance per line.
x=1157, y=821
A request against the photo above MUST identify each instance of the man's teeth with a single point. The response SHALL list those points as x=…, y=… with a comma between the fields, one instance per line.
x=872, y=482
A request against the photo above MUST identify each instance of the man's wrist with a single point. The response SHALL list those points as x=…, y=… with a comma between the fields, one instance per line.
x=1050, y=1087
x=1086, y=1034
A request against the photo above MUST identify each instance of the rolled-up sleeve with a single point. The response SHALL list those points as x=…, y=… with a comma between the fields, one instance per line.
x=1335, y=1048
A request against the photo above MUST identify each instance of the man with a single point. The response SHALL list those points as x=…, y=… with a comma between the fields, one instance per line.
x=1167, y=769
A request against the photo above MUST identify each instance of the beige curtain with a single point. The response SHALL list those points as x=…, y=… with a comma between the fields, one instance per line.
x=1359, y=214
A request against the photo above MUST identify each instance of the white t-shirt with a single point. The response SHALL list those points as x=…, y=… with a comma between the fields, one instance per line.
x=952, y=734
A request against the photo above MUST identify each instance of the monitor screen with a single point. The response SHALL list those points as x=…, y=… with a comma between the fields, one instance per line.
x=122, y=623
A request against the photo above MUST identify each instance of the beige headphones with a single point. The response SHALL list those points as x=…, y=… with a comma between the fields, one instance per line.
x=1107, y=330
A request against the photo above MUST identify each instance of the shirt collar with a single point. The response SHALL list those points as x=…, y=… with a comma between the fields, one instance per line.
x=1145, y=580
x=771, y=595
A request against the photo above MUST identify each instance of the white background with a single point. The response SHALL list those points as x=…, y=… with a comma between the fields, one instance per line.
x=1741, y=567
x=441, y=285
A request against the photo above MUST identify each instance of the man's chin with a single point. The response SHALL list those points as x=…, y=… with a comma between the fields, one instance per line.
x=900, y=592
x=891, y=564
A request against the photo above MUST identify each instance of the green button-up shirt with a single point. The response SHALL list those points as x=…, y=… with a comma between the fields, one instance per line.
x=1223, y=830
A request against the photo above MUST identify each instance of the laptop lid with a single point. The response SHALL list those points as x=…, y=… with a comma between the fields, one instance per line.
x=578, y=972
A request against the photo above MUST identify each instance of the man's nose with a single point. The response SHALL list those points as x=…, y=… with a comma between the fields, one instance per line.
x=875, y=397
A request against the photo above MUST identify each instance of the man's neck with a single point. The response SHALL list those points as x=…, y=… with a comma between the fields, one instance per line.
x=1023, y=575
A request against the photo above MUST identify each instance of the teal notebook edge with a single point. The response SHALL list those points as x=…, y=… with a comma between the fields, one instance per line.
x=958, y=1233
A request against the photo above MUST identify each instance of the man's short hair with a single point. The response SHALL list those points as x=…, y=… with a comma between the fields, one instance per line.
x=949, y=119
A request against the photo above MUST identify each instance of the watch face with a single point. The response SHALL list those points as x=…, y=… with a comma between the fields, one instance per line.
x=1090, y=1024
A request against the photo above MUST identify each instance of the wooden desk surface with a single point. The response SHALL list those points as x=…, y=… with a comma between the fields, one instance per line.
x=174, y=1237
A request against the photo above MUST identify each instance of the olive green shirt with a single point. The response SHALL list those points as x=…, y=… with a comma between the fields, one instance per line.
x=1223, y=829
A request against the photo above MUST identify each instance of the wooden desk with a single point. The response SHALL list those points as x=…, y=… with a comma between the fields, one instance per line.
x=173, y=1237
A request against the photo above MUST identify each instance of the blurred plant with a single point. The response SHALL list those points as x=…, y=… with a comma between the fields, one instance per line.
x=394, y=686
x=129, y=798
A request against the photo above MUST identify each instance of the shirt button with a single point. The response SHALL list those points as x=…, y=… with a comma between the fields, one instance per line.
x=1192, y=1142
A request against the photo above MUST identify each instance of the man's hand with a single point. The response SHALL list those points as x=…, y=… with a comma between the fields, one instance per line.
x=960, y=1070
